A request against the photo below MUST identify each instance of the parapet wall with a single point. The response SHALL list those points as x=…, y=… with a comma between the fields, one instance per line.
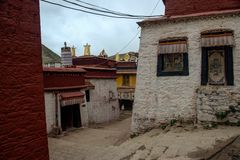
x=183, y=7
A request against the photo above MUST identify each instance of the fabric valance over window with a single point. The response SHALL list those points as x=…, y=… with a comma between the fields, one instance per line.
x=173, y=47
x=214, y=40
x=71, y=98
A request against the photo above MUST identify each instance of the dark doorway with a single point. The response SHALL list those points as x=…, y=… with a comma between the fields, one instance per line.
x=128, y=104
x=70, y=117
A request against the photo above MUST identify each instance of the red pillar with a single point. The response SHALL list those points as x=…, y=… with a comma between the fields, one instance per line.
x=22, y=116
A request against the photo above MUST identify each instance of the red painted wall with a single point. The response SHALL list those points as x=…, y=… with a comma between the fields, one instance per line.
x=128, y=65
x=22, y=117
x=183, y=7
x=102, y=73
x=61, y=80
x=94, y=61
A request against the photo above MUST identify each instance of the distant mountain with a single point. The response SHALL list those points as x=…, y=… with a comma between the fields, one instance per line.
x=48, y=56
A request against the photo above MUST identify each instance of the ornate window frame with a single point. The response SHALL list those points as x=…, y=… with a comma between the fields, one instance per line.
x=219, y=39
x=173, y=45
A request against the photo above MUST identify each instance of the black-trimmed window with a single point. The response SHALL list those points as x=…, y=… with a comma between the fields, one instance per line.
x=173, y=58
x=87, y=92
x=217, y=58
x=126, y=80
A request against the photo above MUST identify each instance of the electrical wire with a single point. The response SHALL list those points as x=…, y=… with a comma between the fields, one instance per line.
x=99, y=14
x=105, y=12
x=135, y=36
x=97, y=6
x=126, y=16
x=155, y=7
x=108, y=11
x=129, y=42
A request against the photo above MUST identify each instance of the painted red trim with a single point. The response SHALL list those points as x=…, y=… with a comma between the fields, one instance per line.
x=65, y=88
x=71, y=95
x=97, y=68
x=190, y=16
x=63, y=70
x=185, y=7
x=101, y=77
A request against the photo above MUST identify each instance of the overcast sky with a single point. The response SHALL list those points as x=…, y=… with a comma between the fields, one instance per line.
x=77, y=28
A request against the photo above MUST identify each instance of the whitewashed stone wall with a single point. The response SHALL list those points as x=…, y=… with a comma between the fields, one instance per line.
x=218, y=104
x=102, y=108
x=84, y=114
x=50, y=110
x=159, y=99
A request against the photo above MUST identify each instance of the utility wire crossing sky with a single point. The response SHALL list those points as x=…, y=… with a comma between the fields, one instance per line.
x=103, y=27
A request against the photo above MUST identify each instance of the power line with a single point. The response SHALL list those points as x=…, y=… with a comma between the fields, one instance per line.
x=96, y=6
x=155, y=7
x=135, y=36
x=129, y=42
x=104, y=10
x=99, y=14
x=115, y=14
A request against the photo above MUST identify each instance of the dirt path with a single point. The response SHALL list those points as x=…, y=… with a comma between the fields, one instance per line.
x=81, y=143
x=110, y=142
x=228, y=151
x=176, y=144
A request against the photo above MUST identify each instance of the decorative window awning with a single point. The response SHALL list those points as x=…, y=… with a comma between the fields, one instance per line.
x=71, y=98
x=169, y=47
x=214, y=40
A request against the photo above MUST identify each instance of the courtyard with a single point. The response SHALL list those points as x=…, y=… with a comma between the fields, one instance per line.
x=112, y=142
x=82, y=143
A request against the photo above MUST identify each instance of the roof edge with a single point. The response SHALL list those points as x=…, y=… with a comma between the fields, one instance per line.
x=189, y=16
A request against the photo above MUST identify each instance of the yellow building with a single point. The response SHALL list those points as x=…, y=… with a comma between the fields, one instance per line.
x=126, y=82
x=126, y=65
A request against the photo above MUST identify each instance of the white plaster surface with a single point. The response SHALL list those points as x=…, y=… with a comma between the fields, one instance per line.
x=102, y=108
x=159, y=99
x=50, y=110
x=84, y=114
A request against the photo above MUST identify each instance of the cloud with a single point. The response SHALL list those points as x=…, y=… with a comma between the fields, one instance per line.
x=77, y=28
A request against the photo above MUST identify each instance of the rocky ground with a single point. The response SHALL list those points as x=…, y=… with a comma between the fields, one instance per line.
x=112, y=142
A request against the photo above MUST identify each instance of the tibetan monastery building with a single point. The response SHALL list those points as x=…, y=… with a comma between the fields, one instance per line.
x=102, y=101
x=188, y=67
x=126, y=81
x=64, y=93
x=79, y=95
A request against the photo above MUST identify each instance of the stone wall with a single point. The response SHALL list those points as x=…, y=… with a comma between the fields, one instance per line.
x=160, y=99
x=218, y=104
x=102, y=108
x=22, y=117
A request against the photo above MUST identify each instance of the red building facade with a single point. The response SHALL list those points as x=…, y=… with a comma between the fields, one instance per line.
x=22, y=118
x=94, y=61
x=65, y=98
x=184, y=7
x=63, y=78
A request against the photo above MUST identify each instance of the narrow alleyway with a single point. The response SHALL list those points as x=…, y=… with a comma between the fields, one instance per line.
x=81, y=143
x=111, y=142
